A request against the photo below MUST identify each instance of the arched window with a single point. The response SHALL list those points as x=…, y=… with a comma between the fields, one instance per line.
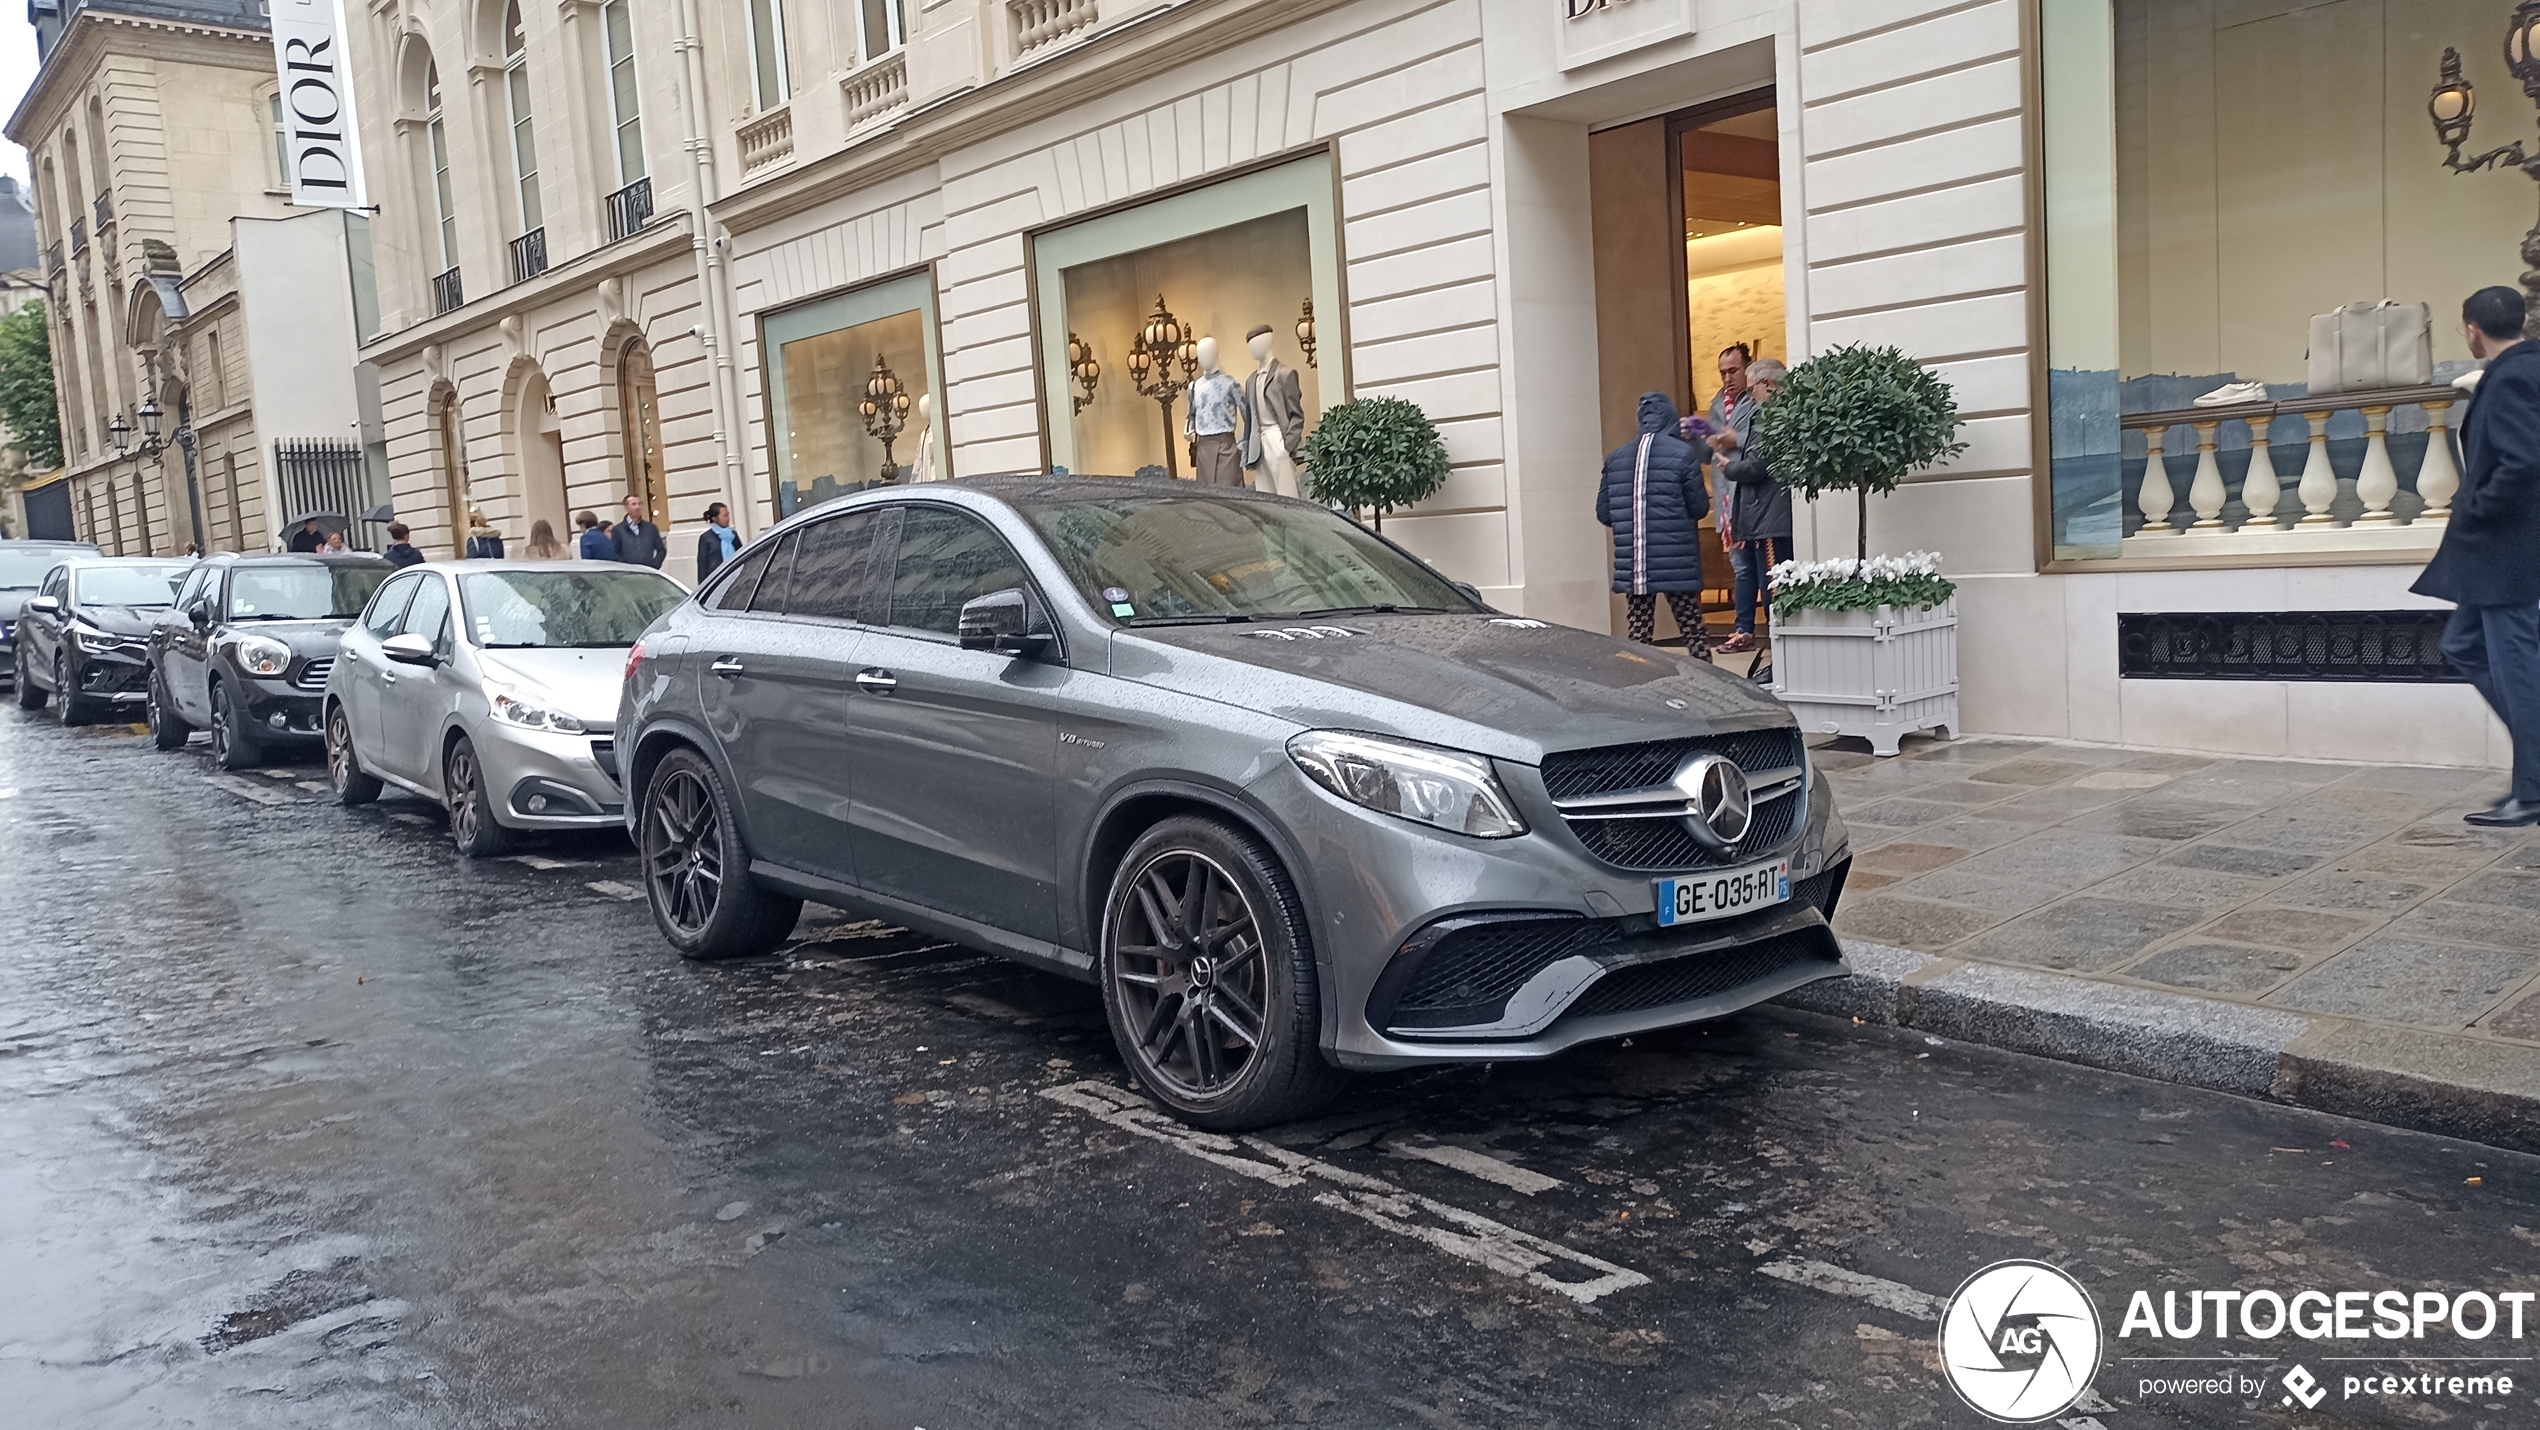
x=639, y=418
x=438, y=137
x=524, y=140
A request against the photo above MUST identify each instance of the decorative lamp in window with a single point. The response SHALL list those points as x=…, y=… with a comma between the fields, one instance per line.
x=885, y=410
x=1085, y=369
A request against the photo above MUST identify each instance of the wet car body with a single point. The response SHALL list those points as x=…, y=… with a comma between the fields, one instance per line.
x=991, y=797
x=252, y=673
x=22, y=567
x=83, y=638
x=509, y=737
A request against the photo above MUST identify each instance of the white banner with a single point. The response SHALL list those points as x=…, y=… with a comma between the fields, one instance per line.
x=320, y=135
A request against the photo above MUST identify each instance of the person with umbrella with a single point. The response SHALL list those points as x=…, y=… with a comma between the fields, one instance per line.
x=308, y=538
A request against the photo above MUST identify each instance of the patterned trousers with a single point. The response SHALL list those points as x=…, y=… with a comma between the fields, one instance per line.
x=1641, y=615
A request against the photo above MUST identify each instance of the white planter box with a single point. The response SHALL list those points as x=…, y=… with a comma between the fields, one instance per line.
x=1876, y=674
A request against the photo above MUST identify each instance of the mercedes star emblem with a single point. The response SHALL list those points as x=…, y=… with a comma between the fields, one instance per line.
x=1723, y=806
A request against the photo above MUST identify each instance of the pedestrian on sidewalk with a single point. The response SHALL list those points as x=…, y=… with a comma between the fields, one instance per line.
x=1731, y=410
x=1755, y=505
x=638, y=541
x=2488, y=565
x=1653, y=500
x=484, y=543
x=401, y=552
x=543, y=545
x=717, y=543
x=593, y=544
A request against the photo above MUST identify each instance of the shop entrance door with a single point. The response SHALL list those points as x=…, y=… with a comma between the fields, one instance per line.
x=1687, y=205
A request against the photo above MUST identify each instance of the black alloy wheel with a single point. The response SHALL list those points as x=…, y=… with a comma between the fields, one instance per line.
x=1208, y=979
x=166, y=730
x=72, y=710
x=343, y=769
x=472, y=824
x=233, y=744
x=696, y=869
x=29, y=696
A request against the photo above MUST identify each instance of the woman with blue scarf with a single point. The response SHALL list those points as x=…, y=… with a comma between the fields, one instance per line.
x=717, y=542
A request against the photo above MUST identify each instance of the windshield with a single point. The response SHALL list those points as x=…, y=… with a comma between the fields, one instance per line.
x=1156, y=559
x=24, y=566
x=515, y=609
x=128, y=585
x=302, y=593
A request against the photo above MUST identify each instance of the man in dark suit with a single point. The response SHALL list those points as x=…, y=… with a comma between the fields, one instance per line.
x=636, y=541
x=2488, y=566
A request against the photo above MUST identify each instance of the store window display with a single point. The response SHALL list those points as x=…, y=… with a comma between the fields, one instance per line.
x=827, y=359
x=1228, y=270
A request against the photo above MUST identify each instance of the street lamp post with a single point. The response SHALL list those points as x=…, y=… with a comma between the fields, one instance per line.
x=2451, y=107
x=1163, y=345
x=885, y=409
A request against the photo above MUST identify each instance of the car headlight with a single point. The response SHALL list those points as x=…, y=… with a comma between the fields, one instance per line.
x=1417, y=782
x=89, y=638
x=263, y=655
x=537, y=717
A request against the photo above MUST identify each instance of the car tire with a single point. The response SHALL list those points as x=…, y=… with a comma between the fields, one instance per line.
x=343, y=768
x=166, y=730
x=473, y=827
x=29, y=697
x=1205, y=947
x=72, y=710
x=697, y=870
x=234, y=743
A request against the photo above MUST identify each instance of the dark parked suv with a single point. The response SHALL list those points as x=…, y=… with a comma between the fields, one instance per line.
x=82, y=635
x=246, y=651
x=1291, y=799
x=22, y=568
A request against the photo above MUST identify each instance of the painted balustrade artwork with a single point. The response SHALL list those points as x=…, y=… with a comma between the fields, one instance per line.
x=2283, y=514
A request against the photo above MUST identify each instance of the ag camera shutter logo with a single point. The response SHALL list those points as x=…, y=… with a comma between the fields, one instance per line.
x=2019, y=1342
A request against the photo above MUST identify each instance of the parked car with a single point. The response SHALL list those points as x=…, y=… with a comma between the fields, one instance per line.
x=22, y=568
x=82, y=637
x=491, y=687
x=246, y=650
x=1294, y=801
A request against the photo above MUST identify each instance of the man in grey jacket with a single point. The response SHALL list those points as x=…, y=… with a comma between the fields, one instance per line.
x=1754, y=505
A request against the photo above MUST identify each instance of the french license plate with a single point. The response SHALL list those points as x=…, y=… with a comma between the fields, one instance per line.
x=1732, y=891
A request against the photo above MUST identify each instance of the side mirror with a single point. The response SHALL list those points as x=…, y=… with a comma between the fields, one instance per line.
x=52, y=606
x=199, y=614
x=1471, y=592
x=1000, y=621
x=407, y=649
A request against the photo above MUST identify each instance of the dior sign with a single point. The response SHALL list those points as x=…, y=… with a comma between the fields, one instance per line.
x=319, y=133
x=1581, y=9
x=1587, y=31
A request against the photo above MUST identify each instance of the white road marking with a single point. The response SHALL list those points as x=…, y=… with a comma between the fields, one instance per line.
x=1887, y=1295
x=1477, y=1164
x=315, y=786
x=1452, y=1230
x=403, y=818
x=279, y=774
x=248, y=789
x=613, y=889
x=542, y=863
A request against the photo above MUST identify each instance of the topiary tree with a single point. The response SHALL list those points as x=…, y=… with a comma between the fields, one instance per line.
x=1857, y=419
x=1378, y=452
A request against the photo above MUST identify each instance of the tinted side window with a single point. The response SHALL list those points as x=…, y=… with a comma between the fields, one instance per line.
x=56, y=582
x=946, y=557
x=389, y=606
x=772, y=587
x=735, y=592
x=838, y=566
x=193, y=587
x=429, y=616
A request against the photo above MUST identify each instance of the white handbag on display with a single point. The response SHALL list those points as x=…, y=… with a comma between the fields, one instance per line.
x=2363, y=346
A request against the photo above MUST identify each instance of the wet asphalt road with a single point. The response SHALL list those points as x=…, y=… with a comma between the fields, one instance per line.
x=304, y=1120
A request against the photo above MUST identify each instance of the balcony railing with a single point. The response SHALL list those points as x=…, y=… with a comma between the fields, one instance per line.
x=529, y=255
x=1045, y=24
x=53, y=258
x=104, y=208
x=630, y=208
x=445, y=291
x=768, y=139
x=2347, y=494
x=877, y=89
x=79, y=236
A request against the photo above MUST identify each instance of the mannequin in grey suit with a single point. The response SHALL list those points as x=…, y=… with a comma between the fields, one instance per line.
x=1276, y=429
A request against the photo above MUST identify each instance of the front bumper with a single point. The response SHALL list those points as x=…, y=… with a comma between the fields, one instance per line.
x=1388, y=891
x=543, y=779
x=284, y=711
x=120, y=675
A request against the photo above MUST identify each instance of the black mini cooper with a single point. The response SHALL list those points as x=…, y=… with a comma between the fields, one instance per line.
x=246, y=650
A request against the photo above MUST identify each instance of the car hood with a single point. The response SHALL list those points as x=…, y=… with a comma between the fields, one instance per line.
x=306, y=638
x=122, y=620
x=13, y=602
x=583, y=683
x=1498, y=685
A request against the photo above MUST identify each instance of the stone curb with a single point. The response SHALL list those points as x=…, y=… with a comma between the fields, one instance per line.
x=2426, y=1080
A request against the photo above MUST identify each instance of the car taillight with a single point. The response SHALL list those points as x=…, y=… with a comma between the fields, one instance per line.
x=634, y=658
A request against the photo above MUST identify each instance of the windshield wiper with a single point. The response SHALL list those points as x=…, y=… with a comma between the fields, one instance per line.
x=1185, y=620
x=1376, y=610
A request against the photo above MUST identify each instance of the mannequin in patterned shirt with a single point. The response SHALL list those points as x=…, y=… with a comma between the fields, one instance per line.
x=1217, y=406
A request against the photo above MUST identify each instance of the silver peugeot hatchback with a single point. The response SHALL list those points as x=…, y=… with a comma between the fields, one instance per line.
x=1292, y=800
x=491, y=687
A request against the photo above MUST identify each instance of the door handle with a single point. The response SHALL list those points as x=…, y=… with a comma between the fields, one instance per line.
x=876, y=681
x=726, y=666
x=387, y=677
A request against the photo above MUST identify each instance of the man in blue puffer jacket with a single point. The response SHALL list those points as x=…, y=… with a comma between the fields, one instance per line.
x=1653, y=498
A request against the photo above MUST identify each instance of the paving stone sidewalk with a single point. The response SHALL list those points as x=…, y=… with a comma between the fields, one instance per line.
x=2320, y=889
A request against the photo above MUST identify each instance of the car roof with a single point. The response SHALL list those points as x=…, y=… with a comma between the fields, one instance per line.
x=298, y=558
x=463, y=566
x=83, y=563
x=48, y=542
